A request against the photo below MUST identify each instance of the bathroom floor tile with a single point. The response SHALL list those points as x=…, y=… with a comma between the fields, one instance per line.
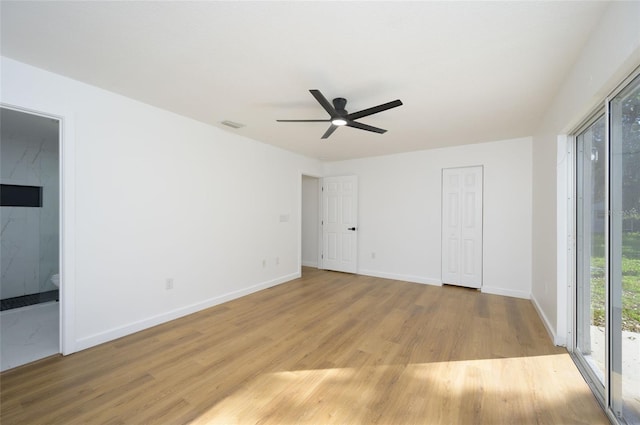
x=28, y=334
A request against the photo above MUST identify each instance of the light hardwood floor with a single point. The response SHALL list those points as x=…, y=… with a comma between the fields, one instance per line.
x=329, y=348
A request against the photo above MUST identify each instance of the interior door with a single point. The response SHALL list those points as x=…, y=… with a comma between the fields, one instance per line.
x=340, y=223
x=462, y=226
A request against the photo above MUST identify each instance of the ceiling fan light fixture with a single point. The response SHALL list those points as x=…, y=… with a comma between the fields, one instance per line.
x=339, y=116
x=339, y=121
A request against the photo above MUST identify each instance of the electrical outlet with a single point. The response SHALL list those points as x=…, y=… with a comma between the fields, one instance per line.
x=277, y=261
x=264, y=263
x=373, y=255
x=168, y=284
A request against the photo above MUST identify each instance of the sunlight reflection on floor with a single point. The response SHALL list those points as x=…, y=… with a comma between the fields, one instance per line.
x=477, y=391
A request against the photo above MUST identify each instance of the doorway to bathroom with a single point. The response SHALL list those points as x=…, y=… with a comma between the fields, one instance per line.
x=30, y=238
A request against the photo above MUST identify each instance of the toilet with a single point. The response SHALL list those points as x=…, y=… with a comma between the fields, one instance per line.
x=55, y=279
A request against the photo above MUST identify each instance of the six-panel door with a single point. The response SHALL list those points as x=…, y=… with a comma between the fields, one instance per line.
x=339, y=223
x=462, y=226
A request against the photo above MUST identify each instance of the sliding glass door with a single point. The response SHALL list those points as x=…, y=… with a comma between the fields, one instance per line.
x=607, y=298
x=624, y=253
x=591, y=270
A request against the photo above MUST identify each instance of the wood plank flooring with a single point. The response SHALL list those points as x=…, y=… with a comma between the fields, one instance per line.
x=329, y=348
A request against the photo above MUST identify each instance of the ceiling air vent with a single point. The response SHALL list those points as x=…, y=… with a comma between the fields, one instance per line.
x=232, y=124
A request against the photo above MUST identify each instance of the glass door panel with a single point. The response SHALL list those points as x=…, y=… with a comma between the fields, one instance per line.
x=624, y=254
x=591, y=270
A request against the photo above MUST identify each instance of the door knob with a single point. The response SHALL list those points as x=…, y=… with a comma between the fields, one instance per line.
x=351, y=228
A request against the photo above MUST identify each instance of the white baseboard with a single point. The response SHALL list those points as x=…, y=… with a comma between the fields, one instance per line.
x=545, y=321
x=402, y=277
x=307, y=263
x=115, y=333
x=505, y=292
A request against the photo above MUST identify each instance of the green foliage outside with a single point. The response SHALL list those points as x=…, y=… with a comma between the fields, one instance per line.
x=627, y=126
x=630, y=282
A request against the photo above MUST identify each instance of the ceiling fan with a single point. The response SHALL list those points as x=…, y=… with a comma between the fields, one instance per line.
x=340, y=117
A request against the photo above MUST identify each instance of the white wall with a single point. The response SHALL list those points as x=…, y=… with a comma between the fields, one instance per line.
x=156, y=195
x=310, y=220
x=400, y=209
x=29, y=252
x=611, y=53
x=162, y=196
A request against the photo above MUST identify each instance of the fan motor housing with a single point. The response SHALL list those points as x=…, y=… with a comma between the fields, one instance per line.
x=339, y=103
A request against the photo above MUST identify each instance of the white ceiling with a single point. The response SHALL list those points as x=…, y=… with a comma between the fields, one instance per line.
x=467, y=72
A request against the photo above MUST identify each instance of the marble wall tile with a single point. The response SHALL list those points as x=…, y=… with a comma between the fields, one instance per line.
x=29, y=240
x=20, y=251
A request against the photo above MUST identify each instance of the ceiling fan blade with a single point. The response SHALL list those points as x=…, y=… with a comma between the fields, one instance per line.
x=374, y=110
x=324, y=102
x=329, y=131
x=303, y=120
x=361, y=126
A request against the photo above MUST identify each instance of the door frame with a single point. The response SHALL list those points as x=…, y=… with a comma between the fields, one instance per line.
x=66, y=242
x=303, y=174
x=569, y=251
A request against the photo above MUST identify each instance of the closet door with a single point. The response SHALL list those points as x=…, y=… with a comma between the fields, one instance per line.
x=462, y=226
